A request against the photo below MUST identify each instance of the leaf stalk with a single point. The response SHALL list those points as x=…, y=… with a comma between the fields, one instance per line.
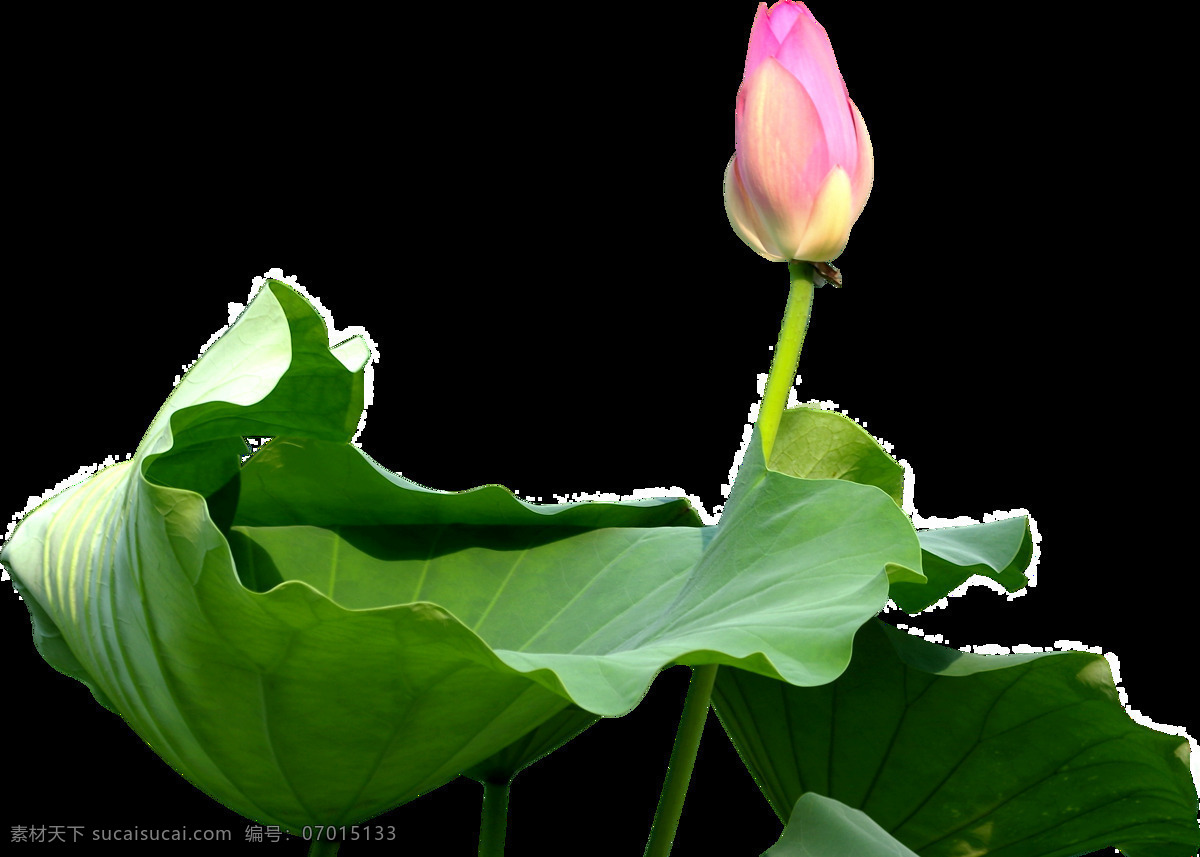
x=493, y=821
x=780, y=380
x=683, y=760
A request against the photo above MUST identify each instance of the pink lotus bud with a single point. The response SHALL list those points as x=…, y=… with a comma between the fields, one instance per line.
x=802, y=167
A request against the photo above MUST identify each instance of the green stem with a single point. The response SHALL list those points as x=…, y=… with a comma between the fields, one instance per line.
x=782, y=375
x=780, y=379
x=683, y=760
x=323, y=848
x=493, y=821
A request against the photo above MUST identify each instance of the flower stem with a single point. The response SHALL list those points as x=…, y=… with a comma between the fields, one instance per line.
x=493, y=821
x=787, y=353
x=780, y=379
x=323, y=848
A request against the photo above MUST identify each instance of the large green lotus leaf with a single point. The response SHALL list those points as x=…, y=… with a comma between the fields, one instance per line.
x=1023, y=755
x=600, y=639
x=375, y=638
x=823, y=827
x=1000, y=550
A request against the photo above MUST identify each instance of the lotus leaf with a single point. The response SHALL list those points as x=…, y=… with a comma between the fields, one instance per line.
x=312, y=639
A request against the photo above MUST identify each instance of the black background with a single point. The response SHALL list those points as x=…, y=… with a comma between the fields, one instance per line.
x=523, y=208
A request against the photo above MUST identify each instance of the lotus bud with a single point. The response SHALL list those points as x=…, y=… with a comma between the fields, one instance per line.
x=802, y=167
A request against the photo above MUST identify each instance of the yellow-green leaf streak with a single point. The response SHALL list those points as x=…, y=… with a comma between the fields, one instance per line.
x=780, y=379
x=89, y=523
x=66, y=565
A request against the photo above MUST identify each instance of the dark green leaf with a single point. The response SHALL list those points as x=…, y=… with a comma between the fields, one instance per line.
x=1023, y=755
